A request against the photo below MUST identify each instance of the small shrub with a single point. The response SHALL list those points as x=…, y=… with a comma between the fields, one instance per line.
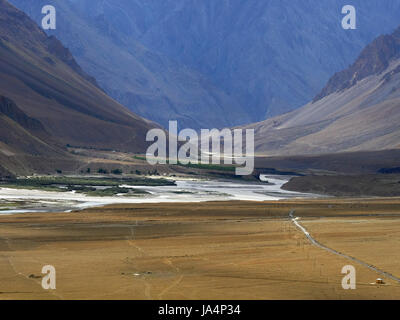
x=117, y=171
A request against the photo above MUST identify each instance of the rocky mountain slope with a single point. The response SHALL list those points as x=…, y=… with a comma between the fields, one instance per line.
x=48, y=102
x=150, y=83
x=214, y=63
x=374, y=59
x=359, y=109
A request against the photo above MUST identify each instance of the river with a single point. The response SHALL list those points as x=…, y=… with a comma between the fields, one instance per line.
x=15, y=201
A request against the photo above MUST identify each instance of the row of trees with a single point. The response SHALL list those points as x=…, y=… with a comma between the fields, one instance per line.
x=116, y=171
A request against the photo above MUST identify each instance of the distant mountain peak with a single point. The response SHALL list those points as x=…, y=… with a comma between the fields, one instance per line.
x=373, y=60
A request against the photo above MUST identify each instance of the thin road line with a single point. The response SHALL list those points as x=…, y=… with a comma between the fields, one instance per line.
x=319, y=245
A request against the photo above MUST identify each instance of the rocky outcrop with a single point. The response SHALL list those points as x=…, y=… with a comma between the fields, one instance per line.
x=373, y=60
x=357, y=111
x=11, y=110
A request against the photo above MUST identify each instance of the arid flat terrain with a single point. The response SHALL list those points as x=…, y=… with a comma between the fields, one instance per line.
x=219, y=250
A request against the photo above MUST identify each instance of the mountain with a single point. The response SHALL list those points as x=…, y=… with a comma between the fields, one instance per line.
x=358, y=109
x=47, y=102
x=149, y=83
x=374, y=59
x=214, y=63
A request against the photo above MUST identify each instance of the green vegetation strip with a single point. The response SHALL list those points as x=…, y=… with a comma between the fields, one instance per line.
x=54, y=181
x=215, y=167
x=85, y=185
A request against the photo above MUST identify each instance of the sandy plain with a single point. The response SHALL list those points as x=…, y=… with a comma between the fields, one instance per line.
x=213, y=250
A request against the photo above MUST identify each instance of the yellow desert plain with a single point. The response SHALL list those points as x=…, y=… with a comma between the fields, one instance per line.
x=214, y=250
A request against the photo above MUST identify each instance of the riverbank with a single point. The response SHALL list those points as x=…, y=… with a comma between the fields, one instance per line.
x=152, y=191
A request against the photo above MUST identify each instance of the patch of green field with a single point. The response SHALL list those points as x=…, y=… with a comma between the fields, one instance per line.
x=8, y=204
x=216, y=167
x=54, y=183
x=80, y=185
x=140, y=158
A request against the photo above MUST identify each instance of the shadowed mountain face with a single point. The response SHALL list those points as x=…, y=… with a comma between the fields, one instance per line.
x=214, y=63
x=9, y=109
x=359, y=109
x=150, y=83
x=47, y=101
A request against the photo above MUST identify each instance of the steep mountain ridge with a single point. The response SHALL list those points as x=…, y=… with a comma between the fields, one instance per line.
x=374, y=59
x=148, y=82
x=214, y=63
x=357, y=111
x=48, y=102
